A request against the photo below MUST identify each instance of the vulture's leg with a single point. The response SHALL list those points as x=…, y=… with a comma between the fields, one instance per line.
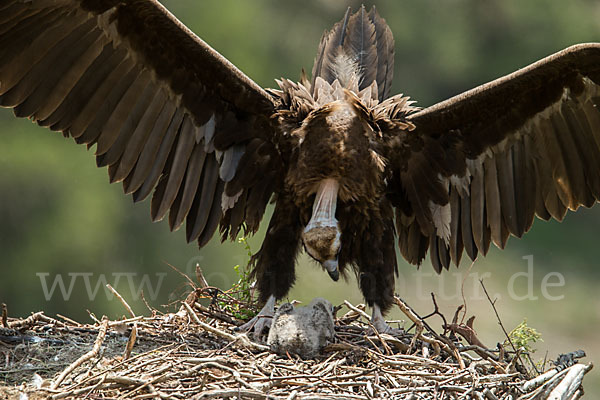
x=376, y=271
x=378, y=321
x=262, y=320
x=274, y=268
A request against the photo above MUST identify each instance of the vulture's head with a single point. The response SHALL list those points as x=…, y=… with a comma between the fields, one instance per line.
x=322, y=242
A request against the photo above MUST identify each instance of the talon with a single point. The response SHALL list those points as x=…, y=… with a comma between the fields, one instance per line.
x=380, y=325
x=261, y=321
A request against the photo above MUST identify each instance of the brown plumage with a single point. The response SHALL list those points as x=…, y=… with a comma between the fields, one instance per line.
x=351, y=170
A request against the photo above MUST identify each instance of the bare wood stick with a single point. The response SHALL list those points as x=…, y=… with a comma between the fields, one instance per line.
x=77, y=392
x=87, y=356
x=293, y=395
x=87, y=389
x=113, y=367
x=493, y=304
x=241, y=338
x=447, y=345
x=349, y=316
x=395, y=342
x=125, y=380
x=373, y=344
x=121, y=299
x=149, y=384
x=4, y=315
x=122, y=322
x=455, y=377
x=237, y=393
x=538, y=380
x=419, y=322
x=421, y=325
x=202, y=282
x=211, y=364
x=184, y=276
x=489, y=395
x=32, y=319
x=130, y=342
x=216, y=314
x=152, y=311
x=69, y=320
x=387, y=348
x=93, y=317
x=357, y=310
x=577, y=395
x=52, y=321
x=571, y=383
x=408, y=312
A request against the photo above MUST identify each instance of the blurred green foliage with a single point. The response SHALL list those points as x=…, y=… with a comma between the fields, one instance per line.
x=59, y=216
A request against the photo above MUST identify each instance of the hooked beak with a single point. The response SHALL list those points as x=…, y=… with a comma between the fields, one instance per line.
x=332, y=269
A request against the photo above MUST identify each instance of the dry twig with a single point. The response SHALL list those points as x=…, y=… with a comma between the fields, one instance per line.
x=87, y=356
x=4, y=316
x=121, y=299
x=493, y=304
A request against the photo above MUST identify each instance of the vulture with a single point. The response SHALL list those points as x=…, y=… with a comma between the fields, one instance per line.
x=353, y=172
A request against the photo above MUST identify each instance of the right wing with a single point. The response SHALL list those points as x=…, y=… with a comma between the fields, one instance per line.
x=165, y=111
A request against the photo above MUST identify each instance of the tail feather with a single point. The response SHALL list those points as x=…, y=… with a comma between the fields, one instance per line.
x=385, y=45
x=329, y=46
x=360, y=48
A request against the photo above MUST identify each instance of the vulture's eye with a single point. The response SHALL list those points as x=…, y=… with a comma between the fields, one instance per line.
x=309, y=250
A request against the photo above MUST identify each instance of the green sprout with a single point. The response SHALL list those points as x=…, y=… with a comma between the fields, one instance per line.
x=524, y=336
x=243, y=290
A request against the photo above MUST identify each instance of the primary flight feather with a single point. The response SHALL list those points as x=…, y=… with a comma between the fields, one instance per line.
x=351, y=170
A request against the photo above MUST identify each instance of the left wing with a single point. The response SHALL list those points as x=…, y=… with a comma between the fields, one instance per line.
x=479, y=166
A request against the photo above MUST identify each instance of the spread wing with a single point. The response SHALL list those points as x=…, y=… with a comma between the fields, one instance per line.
x=479, y=166
x=166, y=112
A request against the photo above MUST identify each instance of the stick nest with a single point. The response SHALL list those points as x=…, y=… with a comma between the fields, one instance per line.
x=196, y=354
